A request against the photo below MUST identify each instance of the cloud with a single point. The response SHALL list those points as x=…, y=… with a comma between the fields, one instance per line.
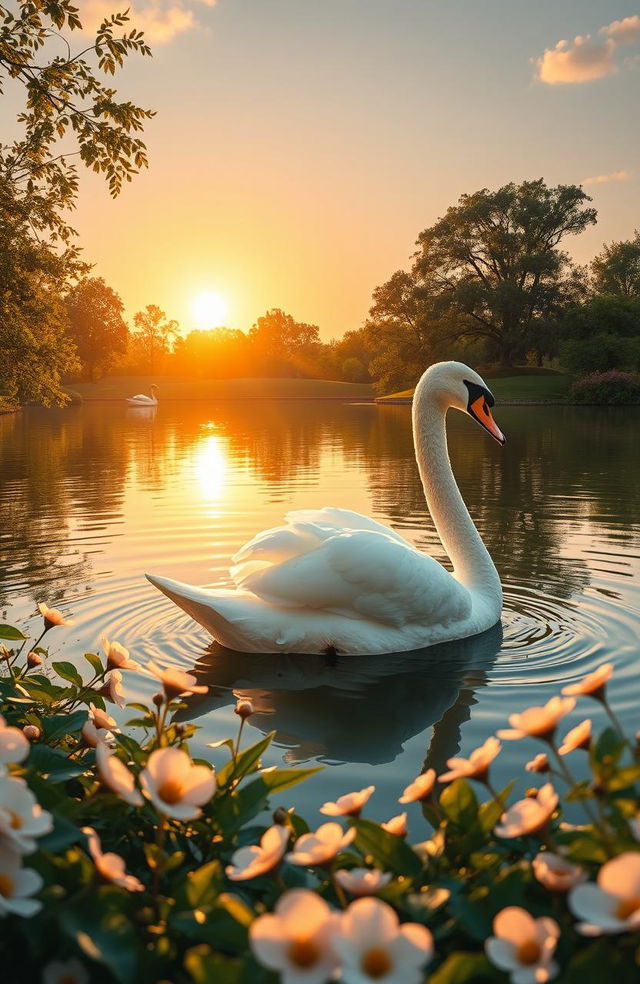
x=587, y=58
x=161, y=20
x=599, y=179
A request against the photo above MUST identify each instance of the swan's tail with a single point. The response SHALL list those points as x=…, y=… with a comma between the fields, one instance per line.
x=218, y=611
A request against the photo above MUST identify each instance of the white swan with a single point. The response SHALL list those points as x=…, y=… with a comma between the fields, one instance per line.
x=333, y=580
x=142, y=400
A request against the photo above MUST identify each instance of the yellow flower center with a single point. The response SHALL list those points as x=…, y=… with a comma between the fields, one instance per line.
x=16, y=821
x=376, y=962
x=529, y=953
x=6, y=886
x=170, y=791
x=303, y=953
x=627, y=907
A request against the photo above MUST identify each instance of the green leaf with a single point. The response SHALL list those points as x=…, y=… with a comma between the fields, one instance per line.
x=607, y=750
x=246, y=762
x=54, y=763
x=102, y=930
x=68, y=672
x=276, y=779
x=10, y=632
x=202, y=886
x=491, y=811
x=63, y=835
x=58, y=725
x=207, y=967
x=459, y=804
x=388, y=850
x=95, y=662
x=462, y=968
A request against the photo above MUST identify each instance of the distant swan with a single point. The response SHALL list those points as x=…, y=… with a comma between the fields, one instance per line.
x=142, y=400
x=333, y=580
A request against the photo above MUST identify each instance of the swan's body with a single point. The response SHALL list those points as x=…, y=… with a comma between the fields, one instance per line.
x=331, y=579
x=142, y=400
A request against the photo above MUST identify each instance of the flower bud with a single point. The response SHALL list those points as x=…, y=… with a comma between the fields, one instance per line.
x=31, y=731
x=34, y=659
x=281, y=817
x=158, y=699
x=244, y=709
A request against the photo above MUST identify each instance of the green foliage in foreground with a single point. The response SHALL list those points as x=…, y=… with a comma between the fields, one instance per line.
x=175, y=914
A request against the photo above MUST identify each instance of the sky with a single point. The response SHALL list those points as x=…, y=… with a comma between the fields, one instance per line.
x=299, y=148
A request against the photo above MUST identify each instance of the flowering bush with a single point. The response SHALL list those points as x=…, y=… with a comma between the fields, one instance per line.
x=613, y=388
x=124, y=861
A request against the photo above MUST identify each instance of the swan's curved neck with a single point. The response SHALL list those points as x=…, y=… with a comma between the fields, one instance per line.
x=471, y=560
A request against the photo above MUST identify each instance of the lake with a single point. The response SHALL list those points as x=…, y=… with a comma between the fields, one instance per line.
x=91, y=497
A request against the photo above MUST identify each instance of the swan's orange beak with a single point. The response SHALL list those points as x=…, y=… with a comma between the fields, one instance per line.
x=481, y=412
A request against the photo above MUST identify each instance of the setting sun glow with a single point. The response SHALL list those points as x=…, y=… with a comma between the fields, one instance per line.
x=209, y=309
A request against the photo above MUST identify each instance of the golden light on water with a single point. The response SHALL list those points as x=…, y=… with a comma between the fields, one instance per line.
x=211, y=467
x=209, y=310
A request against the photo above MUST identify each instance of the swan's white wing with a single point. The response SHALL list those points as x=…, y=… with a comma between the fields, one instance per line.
x=362, y=574
x=141, y=398
x=341, y=520
x=281, y=543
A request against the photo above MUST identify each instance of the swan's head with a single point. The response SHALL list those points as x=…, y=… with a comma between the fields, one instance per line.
x=153, y=387
x=452, y=384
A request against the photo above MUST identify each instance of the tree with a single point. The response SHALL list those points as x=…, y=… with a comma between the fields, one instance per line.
x=96, y=324
x=601, y=334
x=218, y=352
x=616, y=270
x=281, y=345
x=493, y=262
x=153, y=335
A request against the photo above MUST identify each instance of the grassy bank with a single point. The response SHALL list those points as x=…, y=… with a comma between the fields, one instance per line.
x=513, y=386
x=186, y=388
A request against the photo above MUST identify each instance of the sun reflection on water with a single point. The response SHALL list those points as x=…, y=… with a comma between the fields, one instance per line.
x=210, y=466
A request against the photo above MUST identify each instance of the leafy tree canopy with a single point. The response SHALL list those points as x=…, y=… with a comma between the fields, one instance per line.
x=96, y=324
x=154, y=334
x=616, y=270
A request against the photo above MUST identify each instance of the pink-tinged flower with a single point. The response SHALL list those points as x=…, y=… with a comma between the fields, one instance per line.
x=112, y=688
x=373, y=946
x=613, y=905
x=22, y=819
x=176, y=682
x=31, y=732
x=51, y=616
x=528, y=816
x=540, y=763
x=593, y=685
x=118, y=656
x=116, y=776
x=555, y=872
x=538, y=722
x=244, y=708
x=420, y=789
x=250, y=862
x=102, y=720
x=476, y=766
x=65, y=972
x=110, y=866
x=296, y=939
x=34, y=659
x=97, y=727
x=396, y=825
x=175, y=786
x=362, y=881
x=322, y=846
x=523, y=946
x=349, y=805
x=14, y=747
x=17, y=884
x=578, y=737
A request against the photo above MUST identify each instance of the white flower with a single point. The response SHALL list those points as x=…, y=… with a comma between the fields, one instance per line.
x=321, y=846
x=14, y=746
x=578, y=737
x=51, y=616
x=373, y=946
x=540, y=763
x=16, y=884
x=117, y=776
x=118, y=656
x=523, y=946
x=613, y=905
x=176, y=786
x=101, y=719
x=112, y=689
x=65, y=972
x=363, y=881
x=349, y=805
x=249, y=862
x=593, y=685
x=476, y=766
x=396, y=825
x=296, y=939
x=244, y=708
x=538, y=722
x=110, y=866
x=96, y=727
x=555, y=872
x=420, y=789
x=22, y=819
x=529, y=815
x=176, y=682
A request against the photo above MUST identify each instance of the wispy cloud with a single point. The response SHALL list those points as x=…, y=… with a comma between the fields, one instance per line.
x=598, y=179
x=587, y=58
x=161, y=20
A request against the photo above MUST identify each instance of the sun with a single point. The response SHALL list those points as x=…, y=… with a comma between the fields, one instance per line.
x=209, y=309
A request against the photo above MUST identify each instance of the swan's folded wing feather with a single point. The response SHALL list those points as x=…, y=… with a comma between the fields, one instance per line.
x=364, y=574
x=341, y=521
x=281, y=543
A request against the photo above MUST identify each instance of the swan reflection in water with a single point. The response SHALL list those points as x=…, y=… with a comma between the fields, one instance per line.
x=353, y=708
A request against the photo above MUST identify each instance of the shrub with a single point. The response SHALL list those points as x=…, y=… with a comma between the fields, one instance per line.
x=122, y=861
x=607, y=389
x=600, y=353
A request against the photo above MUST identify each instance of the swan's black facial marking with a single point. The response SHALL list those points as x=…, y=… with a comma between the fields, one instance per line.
x=479, y=407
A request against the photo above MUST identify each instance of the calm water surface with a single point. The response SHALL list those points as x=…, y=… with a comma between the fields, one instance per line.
x=93, y=496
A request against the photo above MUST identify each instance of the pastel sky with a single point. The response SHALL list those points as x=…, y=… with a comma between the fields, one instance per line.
x=300, y=147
